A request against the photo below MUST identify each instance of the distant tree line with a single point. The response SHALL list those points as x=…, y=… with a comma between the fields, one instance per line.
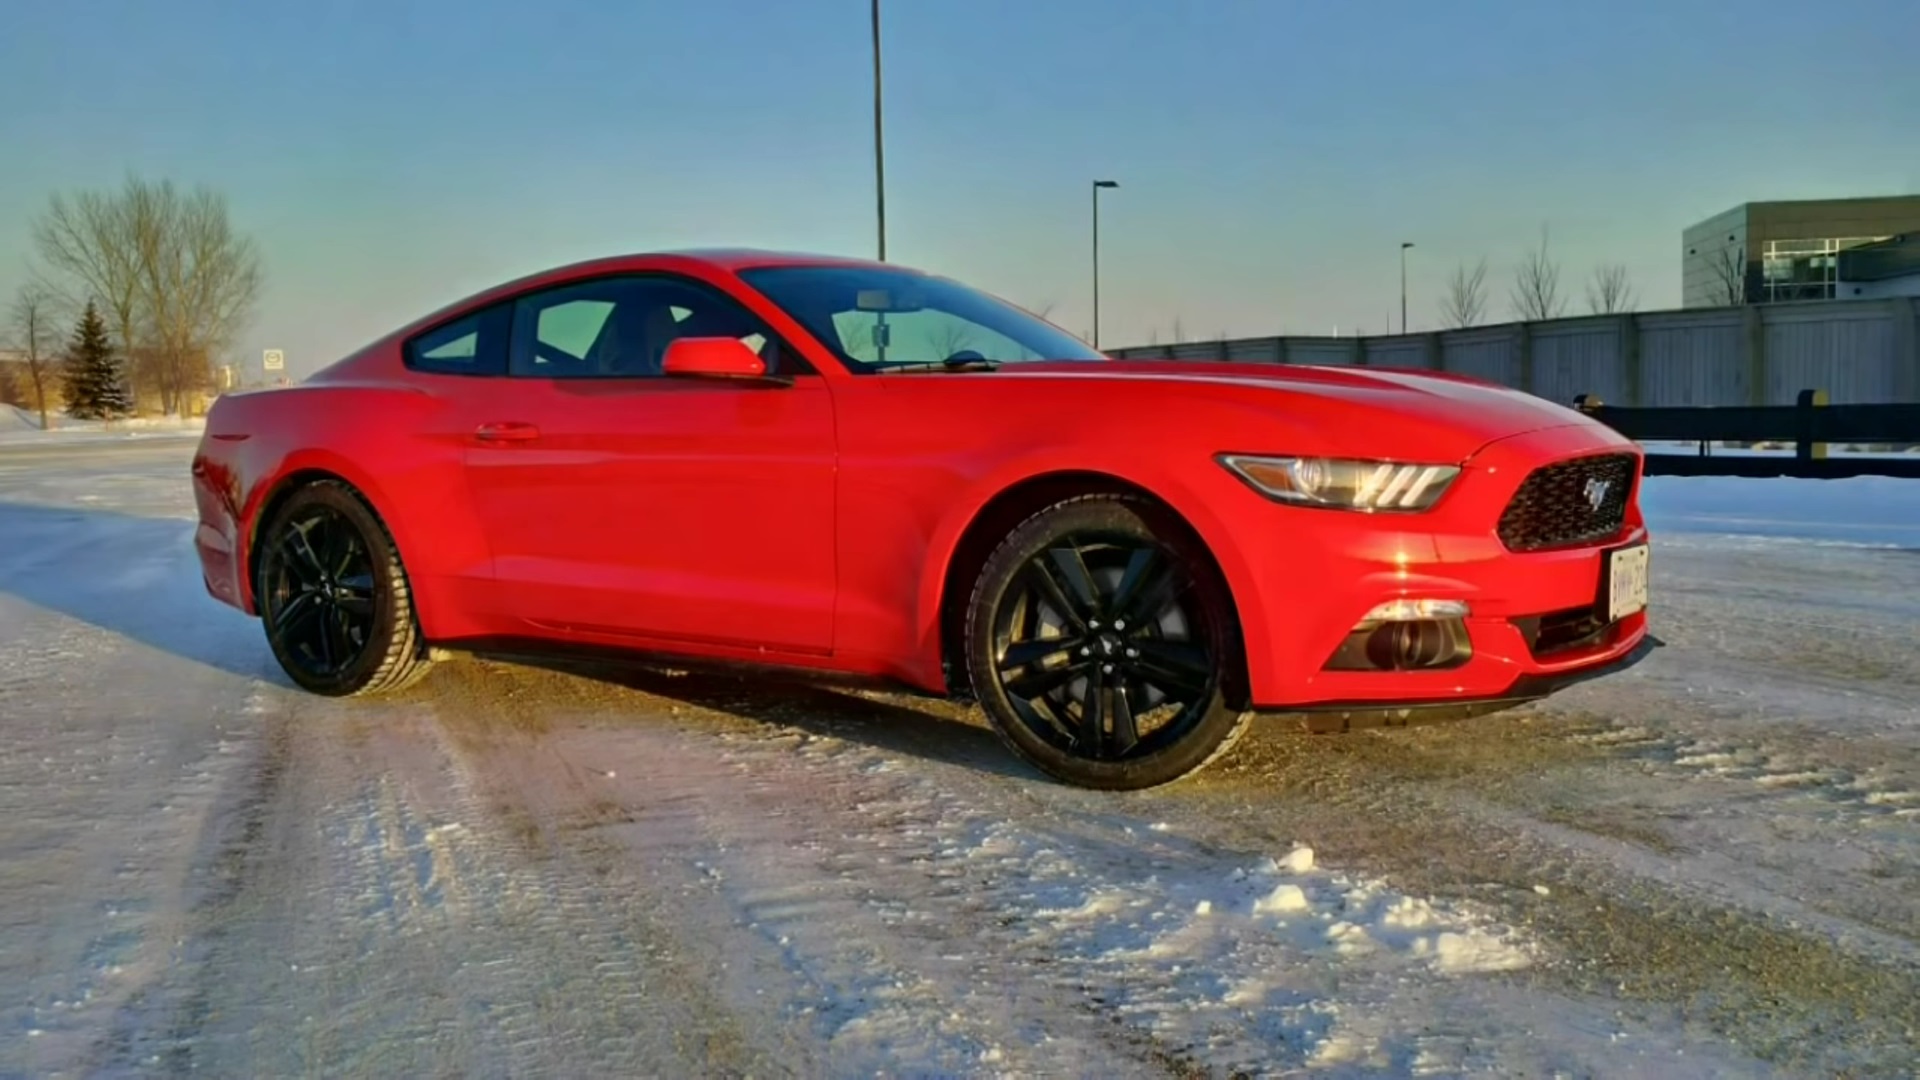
x=1535, y=294
x=151, y=283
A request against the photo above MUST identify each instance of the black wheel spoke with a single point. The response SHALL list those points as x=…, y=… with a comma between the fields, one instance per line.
x=1126, y=732
x=1049, y=590
x=329, y=545
x=1142, y=566
x=323, y=639
x=354, y=594
x=1022, y=653
x=1045, y=680
x=1181, y=668
x=1093, y=715
x=298, y=612
x=350, y=556
x=1071, y=570
x=1161, y=584
x=300, y=558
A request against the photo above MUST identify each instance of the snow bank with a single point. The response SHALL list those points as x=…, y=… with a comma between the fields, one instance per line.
x=19, y=427
x=14, y=418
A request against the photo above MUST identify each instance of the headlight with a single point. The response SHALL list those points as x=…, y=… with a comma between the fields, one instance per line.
x=1344, y=483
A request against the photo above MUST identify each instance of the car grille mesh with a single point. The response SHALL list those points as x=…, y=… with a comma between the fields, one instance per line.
x=1557, y=506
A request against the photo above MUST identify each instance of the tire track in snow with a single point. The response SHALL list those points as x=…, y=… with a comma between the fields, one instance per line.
x=368, y=919
x=1865, y=792
x=1017, y=911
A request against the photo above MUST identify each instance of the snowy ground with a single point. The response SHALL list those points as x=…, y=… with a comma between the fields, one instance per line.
x=1709, y=865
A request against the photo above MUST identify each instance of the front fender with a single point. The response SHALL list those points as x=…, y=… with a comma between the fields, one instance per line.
x=1195, y=494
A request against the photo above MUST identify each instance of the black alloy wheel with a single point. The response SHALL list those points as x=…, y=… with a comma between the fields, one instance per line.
x=333, y=597
x=1103, y=645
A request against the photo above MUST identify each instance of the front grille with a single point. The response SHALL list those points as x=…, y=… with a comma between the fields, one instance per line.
x=1556, y=505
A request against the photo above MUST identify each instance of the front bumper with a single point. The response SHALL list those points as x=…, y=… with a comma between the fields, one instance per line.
x=1315, y=574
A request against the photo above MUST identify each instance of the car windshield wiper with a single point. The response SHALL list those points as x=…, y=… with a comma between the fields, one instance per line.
x=937, y=365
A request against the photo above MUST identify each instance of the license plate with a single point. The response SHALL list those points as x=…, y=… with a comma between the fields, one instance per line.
x=1627, y=581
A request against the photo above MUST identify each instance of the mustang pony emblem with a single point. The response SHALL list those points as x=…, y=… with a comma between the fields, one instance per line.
x=1596, y=491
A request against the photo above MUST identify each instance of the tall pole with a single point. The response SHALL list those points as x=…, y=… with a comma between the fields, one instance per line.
x=1404, y=245
x=1097, y=185
x=879, y=147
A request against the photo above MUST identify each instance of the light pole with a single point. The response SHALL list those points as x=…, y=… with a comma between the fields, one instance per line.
x=1097, y=185
x=1404, y=245
x=879, y=148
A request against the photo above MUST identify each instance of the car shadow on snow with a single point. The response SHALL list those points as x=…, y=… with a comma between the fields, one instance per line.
x=894, y=723
x=138, y=577
x=133, y=576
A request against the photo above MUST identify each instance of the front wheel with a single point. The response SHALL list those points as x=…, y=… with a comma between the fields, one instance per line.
x=1103, y=645
x=334, y=598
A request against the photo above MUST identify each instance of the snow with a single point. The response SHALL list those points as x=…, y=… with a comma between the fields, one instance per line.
x=524, y=868
x=21, y=427
x=1878, y=511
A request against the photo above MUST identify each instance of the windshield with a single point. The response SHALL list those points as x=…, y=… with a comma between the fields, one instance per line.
x=876, y=318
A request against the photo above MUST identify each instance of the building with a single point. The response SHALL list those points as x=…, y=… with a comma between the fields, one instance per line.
x=1890, y=267
x=1770, y=252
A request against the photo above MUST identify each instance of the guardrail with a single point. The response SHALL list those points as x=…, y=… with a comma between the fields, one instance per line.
x=1811, y=424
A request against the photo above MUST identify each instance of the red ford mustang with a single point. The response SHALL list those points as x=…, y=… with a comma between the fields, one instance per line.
x=861, y=469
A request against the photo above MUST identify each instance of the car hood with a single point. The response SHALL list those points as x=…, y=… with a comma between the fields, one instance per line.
x=1434, y=409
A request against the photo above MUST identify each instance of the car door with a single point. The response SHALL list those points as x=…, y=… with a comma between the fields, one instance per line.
x=618, y=501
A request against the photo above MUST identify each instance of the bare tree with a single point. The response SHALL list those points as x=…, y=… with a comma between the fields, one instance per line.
x=1609, y=293
x=1729, y=269
x=31, y=324
x=1465, y=301
x=1179, y=332
x=1536, y=285
x=950, y=336
x=177, y=280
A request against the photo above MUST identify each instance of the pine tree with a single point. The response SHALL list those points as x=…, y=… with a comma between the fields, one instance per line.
x=95, y=387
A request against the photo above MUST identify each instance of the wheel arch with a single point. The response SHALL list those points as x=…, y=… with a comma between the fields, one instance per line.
x=1013, y=504
x=297, y=477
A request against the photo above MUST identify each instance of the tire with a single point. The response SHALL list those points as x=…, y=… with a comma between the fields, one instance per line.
x=1181, y=651
x=334, y=598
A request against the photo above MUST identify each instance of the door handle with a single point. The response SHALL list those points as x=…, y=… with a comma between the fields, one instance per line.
x=507, y=431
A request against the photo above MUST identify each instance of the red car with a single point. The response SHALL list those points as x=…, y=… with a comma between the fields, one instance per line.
x=856, y=468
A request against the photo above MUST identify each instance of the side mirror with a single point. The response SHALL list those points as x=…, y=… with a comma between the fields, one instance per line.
x=712, y=358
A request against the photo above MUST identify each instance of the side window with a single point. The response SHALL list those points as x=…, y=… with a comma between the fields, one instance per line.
x=619, y=327
x=474, y=345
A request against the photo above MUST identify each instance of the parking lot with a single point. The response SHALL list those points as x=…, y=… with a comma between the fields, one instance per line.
x=1708, y=865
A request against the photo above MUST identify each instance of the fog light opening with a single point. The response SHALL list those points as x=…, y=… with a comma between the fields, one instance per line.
x=1407, y=635
x=1410, y=645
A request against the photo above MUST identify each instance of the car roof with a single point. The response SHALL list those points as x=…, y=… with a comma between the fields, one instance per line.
x=727, y=259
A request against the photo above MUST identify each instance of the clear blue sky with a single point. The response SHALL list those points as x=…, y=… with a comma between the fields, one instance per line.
x=390, y=155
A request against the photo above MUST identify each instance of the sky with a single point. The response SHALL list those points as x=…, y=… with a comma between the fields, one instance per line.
x=389, y=156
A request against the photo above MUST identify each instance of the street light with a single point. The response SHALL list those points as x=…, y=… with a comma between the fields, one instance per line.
x=1097, y=185
x=1404, y=245
x=879, y=148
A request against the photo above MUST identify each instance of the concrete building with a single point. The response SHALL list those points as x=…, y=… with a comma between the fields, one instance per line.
x=1770, y=252
x=1876, y=271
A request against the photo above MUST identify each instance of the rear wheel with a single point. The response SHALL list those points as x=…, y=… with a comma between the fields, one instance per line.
x=1103, y=645
x=334, y=598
